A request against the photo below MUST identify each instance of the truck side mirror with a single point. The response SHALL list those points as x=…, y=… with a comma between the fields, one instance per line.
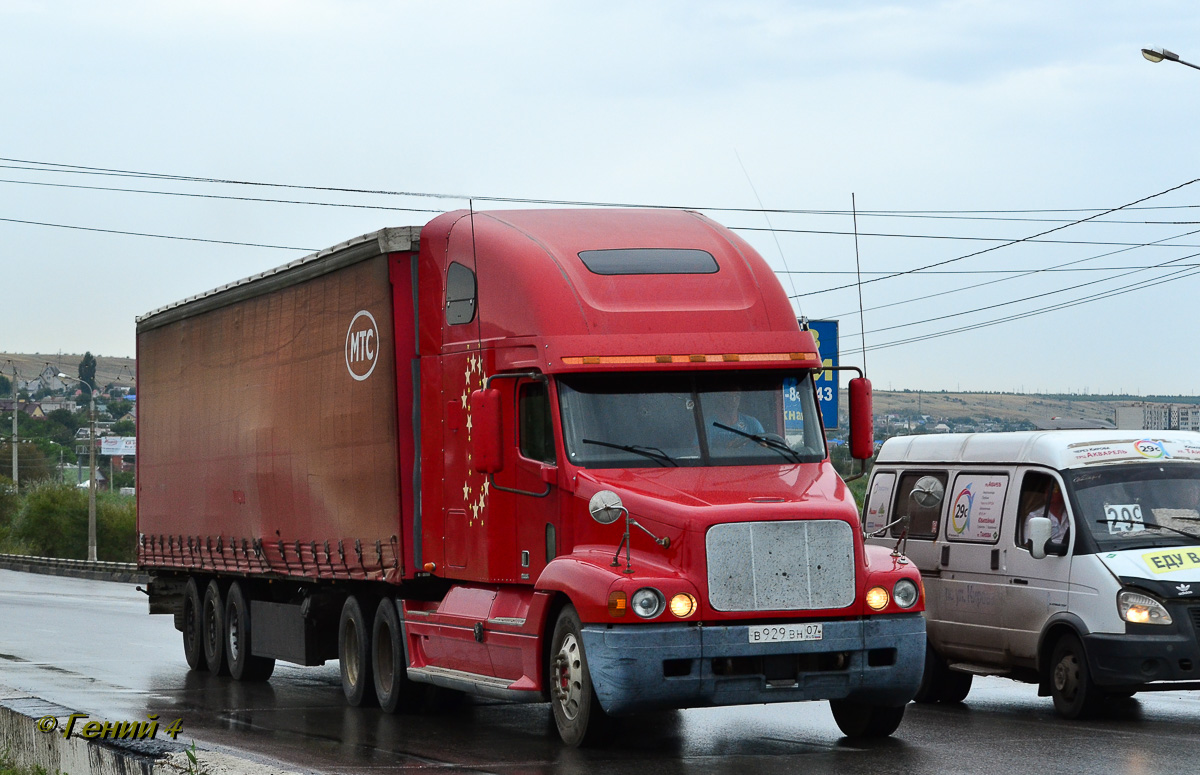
x=1039, y=534
x=487, y=454
x=862, y=423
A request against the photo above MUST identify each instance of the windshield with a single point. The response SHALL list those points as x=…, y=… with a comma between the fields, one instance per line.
x=1138, y=505
x=639, y=419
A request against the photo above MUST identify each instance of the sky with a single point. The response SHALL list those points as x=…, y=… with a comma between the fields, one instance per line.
x=958, y=131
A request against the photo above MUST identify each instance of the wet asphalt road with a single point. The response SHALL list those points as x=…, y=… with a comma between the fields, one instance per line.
x=91, y=646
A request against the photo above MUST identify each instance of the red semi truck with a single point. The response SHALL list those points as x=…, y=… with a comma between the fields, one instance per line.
x=571, y=456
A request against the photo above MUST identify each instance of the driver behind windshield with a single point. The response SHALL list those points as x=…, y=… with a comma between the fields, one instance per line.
x=723, y=409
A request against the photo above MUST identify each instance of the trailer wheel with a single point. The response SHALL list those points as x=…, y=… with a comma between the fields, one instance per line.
x=860, y=719
x=577, y=712
x=388, y=664
x=243, y=664
x=213, y=629
x=1075, y=694
x=354, y=653
x=193, y=625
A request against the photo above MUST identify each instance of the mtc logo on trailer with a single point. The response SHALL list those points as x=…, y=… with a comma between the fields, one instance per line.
x=362, y=345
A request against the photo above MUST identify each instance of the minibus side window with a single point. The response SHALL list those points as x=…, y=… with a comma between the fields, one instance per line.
x=1041, y=496
x=918, y=497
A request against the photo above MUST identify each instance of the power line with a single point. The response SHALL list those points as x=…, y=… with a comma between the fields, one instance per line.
x=1065, y=305
x=1007, y=244
x=1018, y=275
x=42, y=166
x=157, y=236
x=1163, y=265
x=1006, y=240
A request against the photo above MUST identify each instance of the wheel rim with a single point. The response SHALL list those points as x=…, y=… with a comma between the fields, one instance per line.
x=189, y=624
x=350, y=658
x=210, y=626
x=567, y=676
x=234, y=634
x=1066, y=676
x=383, y=657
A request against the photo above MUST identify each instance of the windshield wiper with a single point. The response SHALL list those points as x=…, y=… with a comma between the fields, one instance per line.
x=654, y=453
x=767, y=441
x=1183, y=533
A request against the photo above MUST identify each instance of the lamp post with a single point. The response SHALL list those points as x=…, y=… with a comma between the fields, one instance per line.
x=91, y=464
x=1159, y=54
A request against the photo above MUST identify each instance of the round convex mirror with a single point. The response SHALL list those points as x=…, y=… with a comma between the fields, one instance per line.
x=605, y=507
x=928, y=492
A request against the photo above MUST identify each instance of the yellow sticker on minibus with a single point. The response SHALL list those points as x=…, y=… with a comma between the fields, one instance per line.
x=1171, y=560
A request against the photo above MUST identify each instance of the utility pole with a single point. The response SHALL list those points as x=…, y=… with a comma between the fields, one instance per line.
x=16, y=485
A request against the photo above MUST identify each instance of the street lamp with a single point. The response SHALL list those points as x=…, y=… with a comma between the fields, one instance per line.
x=1159, y=54
x=91, y=464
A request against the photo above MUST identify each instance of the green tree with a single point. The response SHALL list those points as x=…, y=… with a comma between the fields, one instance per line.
x=32, y=463
x=123, y=428
x=5, y=386
x=87, y=370
x=119, y=408
x=53, y=521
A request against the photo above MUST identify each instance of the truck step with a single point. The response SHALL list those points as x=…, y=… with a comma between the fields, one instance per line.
x=967, y=667
x=472, y=683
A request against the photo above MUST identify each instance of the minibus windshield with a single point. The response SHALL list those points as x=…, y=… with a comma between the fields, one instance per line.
x=1138, y=505
x=695, y=418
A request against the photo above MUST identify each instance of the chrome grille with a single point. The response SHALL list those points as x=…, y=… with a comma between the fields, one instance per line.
x=773, y=566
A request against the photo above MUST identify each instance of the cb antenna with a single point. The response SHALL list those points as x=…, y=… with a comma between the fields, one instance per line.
x=775, y=234
x=858, y=265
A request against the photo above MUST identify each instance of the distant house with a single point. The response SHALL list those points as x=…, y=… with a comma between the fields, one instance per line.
x=28, y=407
x=49, y=405
x=47, y=380
x=941, y=428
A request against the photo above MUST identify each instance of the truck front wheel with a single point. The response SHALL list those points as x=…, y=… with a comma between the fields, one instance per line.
x=193, y=625
x=577, y=712
x=354, y=654
x=213, y=629
x=392, y=686
x=243, y=665
x=860, y=719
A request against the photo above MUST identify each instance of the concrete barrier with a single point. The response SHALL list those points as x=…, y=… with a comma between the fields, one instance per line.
x=125, y=572
x=32, y=735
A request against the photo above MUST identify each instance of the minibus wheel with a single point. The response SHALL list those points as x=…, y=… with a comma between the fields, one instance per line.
x=1074, y=692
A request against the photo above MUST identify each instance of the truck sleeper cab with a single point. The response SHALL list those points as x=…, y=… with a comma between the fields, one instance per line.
x=483, y=381
x=1069, y=559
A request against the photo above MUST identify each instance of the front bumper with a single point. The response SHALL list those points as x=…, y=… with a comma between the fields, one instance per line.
x=878, y=660
x=1128, y=660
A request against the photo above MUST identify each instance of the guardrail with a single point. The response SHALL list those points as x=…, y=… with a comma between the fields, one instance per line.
x=125, y=572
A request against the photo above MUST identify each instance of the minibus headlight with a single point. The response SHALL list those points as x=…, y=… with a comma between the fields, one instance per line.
x=877, y=598
x=1138, y=608
x=905, y=593
x=648, y=602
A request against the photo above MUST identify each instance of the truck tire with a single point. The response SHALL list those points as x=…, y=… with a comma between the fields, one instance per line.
x=956, y=687
x=863, y=720
x=1075, y=694
x=243, y=664
x=213, y=629
x=354, y=654
x=193, y=625
x=577, y=712
x=939, y=683
x=393, y=689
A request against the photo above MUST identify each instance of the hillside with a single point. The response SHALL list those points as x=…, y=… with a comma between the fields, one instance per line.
x=1009, y=407
x=116, y=370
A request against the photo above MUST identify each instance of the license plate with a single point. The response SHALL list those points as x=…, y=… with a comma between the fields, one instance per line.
x=784, y=633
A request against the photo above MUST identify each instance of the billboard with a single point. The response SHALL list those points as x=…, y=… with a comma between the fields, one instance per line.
x=118, y=445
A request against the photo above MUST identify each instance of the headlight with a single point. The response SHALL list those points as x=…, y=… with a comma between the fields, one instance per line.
x=1138, y=608
x=648, y=602
x=683, y=605
x=877, y=598
x=905, y=593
